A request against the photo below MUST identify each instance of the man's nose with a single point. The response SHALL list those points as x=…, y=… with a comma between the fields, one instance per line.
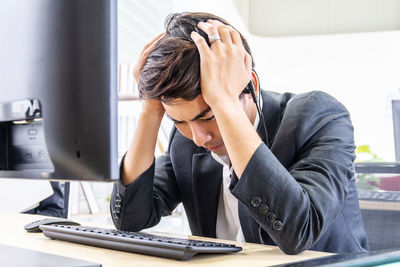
x=200, y=134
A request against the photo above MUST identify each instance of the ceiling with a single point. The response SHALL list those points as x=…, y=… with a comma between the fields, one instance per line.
x=309, y=17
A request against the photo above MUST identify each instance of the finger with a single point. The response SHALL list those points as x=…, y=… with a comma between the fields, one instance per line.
x=210, y=30
x=147, y=49
x=149, y=46
x=248, y=63
x=236, y=38
x=141, y=61
x=223, y=30
x=154, y=40
x=234, y=34
x=225, y=35
x=201, y=44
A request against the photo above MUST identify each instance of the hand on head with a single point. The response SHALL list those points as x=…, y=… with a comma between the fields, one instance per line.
x=148, y=105
x=225, y=65
x=137, y=70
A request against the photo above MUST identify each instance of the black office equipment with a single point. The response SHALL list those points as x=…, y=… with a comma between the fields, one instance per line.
x=58, y=89
x=137, y=242
x=58, y=95
x=33, y=227
x=377, y=167
x=380, y=209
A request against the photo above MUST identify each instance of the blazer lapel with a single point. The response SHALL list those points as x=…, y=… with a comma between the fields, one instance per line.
x=207, y=177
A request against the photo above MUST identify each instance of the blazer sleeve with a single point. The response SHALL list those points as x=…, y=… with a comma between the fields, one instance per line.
x=297, y=203
x=142, y=203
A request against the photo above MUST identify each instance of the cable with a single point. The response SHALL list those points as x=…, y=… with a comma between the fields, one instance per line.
x=258, y=104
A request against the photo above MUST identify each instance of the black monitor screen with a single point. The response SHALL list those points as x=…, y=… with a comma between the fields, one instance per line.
x=58, y=89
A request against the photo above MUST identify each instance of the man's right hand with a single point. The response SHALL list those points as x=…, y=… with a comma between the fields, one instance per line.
x=140, y=154
x=137, y=70
x=153, y=108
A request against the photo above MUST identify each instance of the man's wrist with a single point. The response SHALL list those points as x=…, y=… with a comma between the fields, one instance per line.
x=151, y=115
x=226, y=105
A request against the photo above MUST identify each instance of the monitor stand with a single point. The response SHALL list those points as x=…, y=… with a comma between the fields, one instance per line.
x=14, y=256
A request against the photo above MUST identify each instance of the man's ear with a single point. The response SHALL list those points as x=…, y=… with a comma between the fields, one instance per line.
x=256, y=82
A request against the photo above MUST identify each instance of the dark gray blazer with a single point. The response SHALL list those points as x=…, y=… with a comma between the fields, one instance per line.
x=299, y=193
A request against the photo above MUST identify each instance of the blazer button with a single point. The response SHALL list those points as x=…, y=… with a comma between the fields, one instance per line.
x=278, y=225
x=118, y=197
x=271, y=217
x=116, y=214
x=256, y=201
x=263, y=209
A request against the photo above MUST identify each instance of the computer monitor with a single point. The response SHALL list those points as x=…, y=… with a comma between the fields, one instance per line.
x=58, y=89
x=396, y=126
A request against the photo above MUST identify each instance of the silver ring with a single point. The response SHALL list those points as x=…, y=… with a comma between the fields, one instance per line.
x=213, y=38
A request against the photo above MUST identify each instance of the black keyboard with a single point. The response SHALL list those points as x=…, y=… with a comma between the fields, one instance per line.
x=136, y=242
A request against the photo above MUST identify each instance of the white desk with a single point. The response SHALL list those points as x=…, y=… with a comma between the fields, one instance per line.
x=12, y=233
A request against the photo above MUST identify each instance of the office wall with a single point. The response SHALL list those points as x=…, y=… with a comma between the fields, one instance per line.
x=361, y=70
x=306, y=17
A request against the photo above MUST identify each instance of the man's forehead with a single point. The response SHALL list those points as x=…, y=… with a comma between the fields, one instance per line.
x=183, y=110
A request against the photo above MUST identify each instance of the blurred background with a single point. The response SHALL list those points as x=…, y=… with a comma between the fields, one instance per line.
x=347, y=48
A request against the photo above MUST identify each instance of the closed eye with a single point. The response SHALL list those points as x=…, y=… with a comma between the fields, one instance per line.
x=208, y=119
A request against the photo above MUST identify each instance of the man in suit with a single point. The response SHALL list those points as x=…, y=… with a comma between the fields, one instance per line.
x=289, y=183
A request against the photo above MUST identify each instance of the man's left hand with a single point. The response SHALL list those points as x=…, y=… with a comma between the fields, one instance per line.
x=225, y=66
